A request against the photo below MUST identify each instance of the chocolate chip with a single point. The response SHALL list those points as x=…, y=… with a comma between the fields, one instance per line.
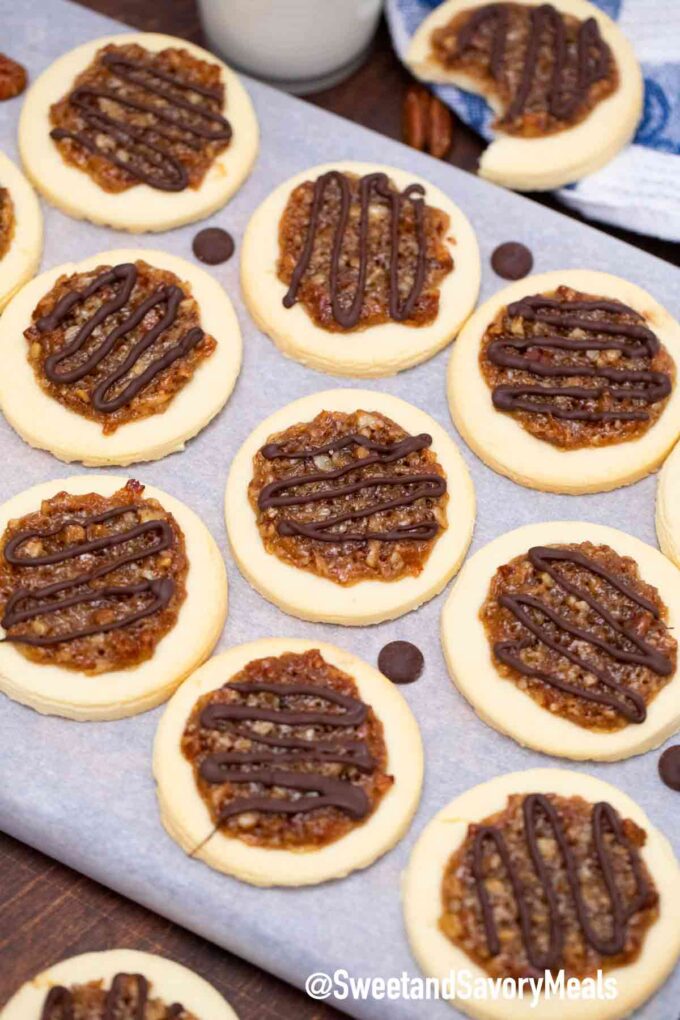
x=401, y=662
x=512, y=260
x=669, y=767
x=213, y=245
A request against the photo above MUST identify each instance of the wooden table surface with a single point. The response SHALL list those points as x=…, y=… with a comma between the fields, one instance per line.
x=49, y=911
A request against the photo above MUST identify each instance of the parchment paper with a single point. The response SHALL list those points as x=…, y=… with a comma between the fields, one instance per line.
x=83, y=793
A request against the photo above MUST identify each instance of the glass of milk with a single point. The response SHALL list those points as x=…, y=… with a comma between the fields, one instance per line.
x=297, y=45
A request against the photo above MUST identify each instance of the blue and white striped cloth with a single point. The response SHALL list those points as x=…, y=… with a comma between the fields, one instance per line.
x=640, y=188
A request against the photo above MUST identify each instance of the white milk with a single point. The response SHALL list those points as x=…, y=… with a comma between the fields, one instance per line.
x=299, y=45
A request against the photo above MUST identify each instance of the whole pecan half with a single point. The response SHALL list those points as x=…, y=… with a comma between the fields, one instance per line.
x=13, y=77
x=427, y=123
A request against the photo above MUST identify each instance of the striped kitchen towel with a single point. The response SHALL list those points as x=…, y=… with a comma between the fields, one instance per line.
x=640, y=188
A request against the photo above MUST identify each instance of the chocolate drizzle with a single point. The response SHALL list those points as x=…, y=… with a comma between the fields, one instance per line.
x=59, y=1002
x=62, y=1000
x=627, y=703
x=347, y=314
x=116, y=996
x=124, y=276
x=268, y=770
x=146, y=158
x=426, y=486
x=604, y=817
x=31, y=603
x=568, y=85
x=523, y=353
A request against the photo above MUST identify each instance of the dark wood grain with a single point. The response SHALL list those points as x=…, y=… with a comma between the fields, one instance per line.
x=48, y=911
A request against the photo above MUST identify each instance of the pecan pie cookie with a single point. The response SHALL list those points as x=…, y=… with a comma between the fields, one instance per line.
x=111, y=592
x=349, y=507
x=561, y=77
x=138, y=132
x=547, y=870
x=124, y=984
x=287, y=762
x=119, y=358
x=668, y=507
x=357, y=269
x=564, y=636
x=568, y=381
x=21, y=230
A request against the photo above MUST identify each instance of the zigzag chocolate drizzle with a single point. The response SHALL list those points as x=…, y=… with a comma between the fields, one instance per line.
x=60, y=1000
x=427, y=486
x=126, y=276
x=116, y=996
x=347, y=315
x=148, y=161
x=565, y=92
x=31, y=603
x=227, y=766
x=627, y=703
x=632, y=340
x=603, y=816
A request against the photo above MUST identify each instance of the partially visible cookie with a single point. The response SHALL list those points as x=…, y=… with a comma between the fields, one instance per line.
x=99, y=985
x=562, y=79
x=568, y=382
x=287, y=762
x=463, y=915
x=140, y=132
x=111, y=592
x=358, y=269
x=563, y=635
x=21, y=230
x=350, y=507
x=119, y=358
x=668, y=507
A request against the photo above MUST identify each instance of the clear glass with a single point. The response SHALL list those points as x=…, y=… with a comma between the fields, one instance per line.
x=298, y=45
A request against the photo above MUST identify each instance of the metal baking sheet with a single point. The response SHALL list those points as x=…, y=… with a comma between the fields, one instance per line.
x=83, y=792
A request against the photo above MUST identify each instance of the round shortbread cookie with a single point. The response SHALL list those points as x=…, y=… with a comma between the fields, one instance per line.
x=312, y=597
x=499, y=701
x=501, y=441
x=140, y=208
x=668, y=507
x=169, y=981
x=54, y=690
x=378, y=350
x=186, y=817
x=48, y=425
x=22, y=257
x=438, y=956
x=551, y=161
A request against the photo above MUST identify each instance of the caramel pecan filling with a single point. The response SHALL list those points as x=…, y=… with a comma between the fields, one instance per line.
x=286, y=754
x=92, y=583
x=117, y=343
x=577, y=629
x=576, y=370
x=356, y=252
x=545, y=70
x=6, y=221
x=349, y=497
x=129, y=997
x=136, y=117
x=549, y=883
